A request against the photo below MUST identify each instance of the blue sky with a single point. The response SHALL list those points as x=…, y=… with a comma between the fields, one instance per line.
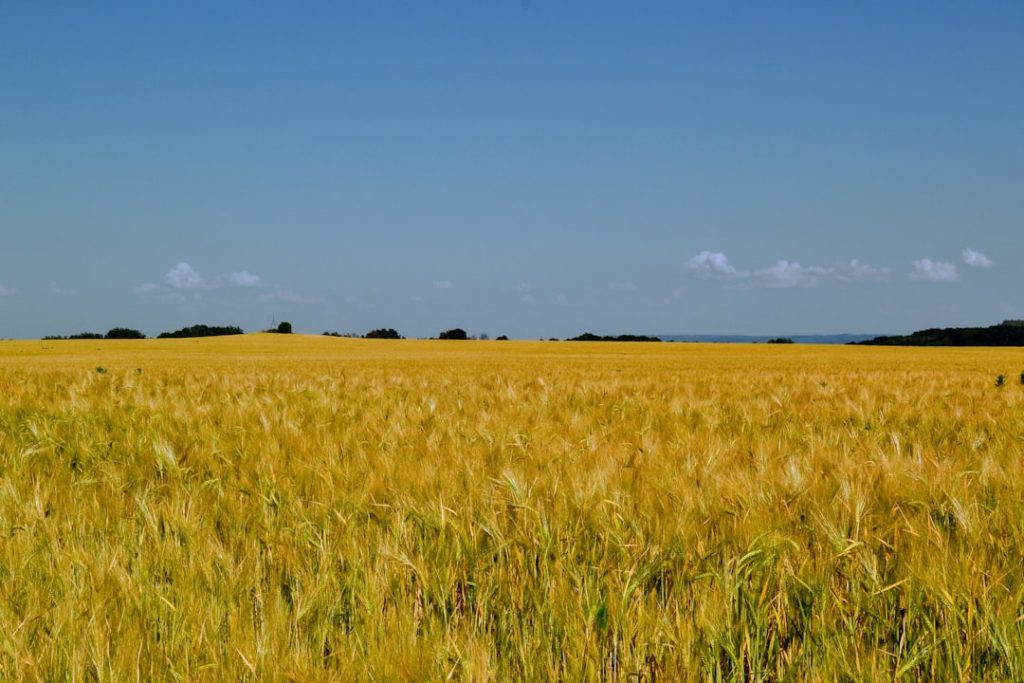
x=525, y=168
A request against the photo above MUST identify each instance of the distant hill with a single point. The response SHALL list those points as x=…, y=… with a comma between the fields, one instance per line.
x=1006, y=333
x=762, y=339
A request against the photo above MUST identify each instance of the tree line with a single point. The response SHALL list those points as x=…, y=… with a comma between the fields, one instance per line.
x=1006, y=333
x=114, y=333
x=456, y=333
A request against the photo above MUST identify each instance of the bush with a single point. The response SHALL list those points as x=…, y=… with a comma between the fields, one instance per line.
x=86, y=335
x=284, y=328
x=124, y=333
x=457, y=333
x=504, y=338
x=780, y=340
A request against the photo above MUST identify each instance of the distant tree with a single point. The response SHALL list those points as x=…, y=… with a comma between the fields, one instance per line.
x=589, y=336
x=484, y=337
x=383, y=333
x=86, y=335
x=780, y=340
x=124, y=333
x=57, y=337
x=1007, y=333
x=502, y=338
x=457, y=333
x=284, y=328
x=201, y=331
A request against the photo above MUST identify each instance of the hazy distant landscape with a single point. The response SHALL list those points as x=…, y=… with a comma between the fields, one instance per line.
x=1007, y=333
x=761, y=339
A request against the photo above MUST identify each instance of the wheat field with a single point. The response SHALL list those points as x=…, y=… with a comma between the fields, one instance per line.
x=316, y=509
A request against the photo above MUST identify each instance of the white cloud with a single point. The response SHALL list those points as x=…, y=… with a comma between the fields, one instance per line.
x=244, y=279
x=675, y=295
x=4, y=291
x=183, y=276
x=975, y=259
x=855, y=271
x=284, y=295
x=443, y=284
x=926, y=270
x=713, y=264
x=786, y=274
x=783, y=274
x=625, y=286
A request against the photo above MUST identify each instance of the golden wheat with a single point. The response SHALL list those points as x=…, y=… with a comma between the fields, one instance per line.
x=294, y=508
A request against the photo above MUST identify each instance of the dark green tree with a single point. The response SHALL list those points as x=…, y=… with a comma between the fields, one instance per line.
x=590, y=336
x=383, y=333
x=1007, y=333
x=124, y=333
x=201, y=331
